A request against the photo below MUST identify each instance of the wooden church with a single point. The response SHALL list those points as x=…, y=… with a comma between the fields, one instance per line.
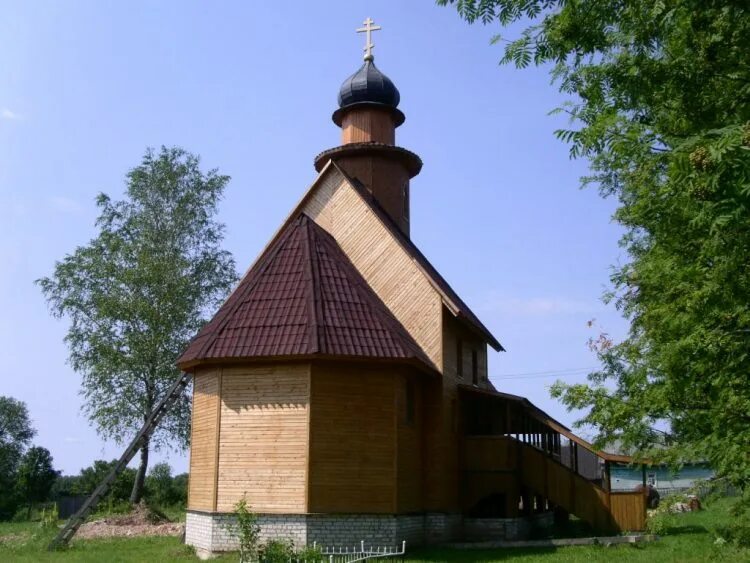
x=342, y=388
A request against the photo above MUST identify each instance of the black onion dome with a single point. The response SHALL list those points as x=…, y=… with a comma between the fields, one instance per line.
x=368, y=86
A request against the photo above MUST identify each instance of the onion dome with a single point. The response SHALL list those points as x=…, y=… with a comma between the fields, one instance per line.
x=368, y=86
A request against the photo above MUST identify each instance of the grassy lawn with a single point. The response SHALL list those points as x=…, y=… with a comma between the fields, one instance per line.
x=689, y=537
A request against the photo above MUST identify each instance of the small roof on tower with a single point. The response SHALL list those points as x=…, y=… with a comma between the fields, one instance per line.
x=303, y=298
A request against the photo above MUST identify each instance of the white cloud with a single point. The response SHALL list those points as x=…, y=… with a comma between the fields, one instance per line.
x=5, y=113
x=537, y=306
x=64, y=204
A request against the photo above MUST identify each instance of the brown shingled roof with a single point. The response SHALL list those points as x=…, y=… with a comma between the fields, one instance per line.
x=303, y=297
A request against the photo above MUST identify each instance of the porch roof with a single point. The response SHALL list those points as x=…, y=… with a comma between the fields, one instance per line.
x=541, y=416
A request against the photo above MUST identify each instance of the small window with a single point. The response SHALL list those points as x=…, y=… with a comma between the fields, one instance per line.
x=474, y=368
x=459, y=358
x=409, y=400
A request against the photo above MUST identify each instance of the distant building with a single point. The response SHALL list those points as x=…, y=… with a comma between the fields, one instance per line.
x=661, y=477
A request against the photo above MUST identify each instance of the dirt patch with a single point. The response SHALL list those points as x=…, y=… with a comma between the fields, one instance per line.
x=14, y=538
x=142, y=521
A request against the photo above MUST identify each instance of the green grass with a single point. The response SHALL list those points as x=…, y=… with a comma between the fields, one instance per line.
x=688, y=538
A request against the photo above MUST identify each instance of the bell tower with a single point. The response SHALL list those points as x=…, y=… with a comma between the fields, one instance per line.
x=368, y=116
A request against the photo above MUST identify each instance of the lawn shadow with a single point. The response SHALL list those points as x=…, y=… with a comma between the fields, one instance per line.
x=688, y=529
x=451, y=555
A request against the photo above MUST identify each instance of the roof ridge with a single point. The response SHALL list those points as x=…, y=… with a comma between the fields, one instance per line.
x=380, y=309
x=312, y=271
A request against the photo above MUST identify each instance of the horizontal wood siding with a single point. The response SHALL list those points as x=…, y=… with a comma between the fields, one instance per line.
x=490, y=453
x=203, y=440
x=409, y=459
x=381, y=260
x=453, y=331
x=352, y=440
x=264, y=438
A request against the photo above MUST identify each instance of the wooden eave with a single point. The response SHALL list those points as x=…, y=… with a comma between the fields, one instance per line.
x=192, y=365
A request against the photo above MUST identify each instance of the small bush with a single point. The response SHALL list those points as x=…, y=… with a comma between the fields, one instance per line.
x=49, y=517
x=310, y=554
x=278, y=551
x=737, y=532
x=656, y=523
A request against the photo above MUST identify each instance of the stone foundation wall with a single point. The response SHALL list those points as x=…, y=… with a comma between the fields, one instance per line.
x=480, y=529
x=440, y=527
x=213, y=532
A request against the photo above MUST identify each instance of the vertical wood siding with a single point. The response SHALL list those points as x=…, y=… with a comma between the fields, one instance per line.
x=203, y=440
x=264, y=438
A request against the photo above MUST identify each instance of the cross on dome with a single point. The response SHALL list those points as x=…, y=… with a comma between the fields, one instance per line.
x=368, y=29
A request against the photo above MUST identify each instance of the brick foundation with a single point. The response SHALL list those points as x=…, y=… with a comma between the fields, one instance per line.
x=481, y=529
x=211, y=533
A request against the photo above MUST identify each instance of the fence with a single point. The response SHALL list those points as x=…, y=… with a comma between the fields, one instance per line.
x=362, y=553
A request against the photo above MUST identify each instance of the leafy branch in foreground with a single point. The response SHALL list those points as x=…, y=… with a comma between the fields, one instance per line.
x=660, y=107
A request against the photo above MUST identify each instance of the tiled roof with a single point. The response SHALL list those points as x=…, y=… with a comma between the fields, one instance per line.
x=303, y=297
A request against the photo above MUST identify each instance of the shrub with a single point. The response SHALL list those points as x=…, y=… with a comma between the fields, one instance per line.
x=278, y=551
x=310, y=554
x=737, y=533
x=49, y=517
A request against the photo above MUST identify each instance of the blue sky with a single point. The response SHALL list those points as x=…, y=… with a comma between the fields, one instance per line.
x=85, y=87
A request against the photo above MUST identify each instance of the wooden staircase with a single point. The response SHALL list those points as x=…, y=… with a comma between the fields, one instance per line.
x=492, y=462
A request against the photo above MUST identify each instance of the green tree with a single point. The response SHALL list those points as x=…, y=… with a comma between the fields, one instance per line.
x=15, y=434
x=36, y=475
x=91, y=476
x=660, y=106
x=139, y=291
x=160, y=485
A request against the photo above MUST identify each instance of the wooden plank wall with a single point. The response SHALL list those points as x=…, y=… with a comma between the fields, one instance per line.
x=203, y=440
x=490, y=453
x=381, y=260
x=409, y=458
x=353, y=460
x=264, y=438
x=453, y=330
x=629, y=510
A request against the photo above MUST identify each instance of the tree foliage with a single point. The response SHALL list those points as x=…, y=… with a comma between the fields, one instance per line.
x=659, y=105
x=139, y=291
x=163, y=489
x=15, y=434
x=90, y=477
x=36, y=475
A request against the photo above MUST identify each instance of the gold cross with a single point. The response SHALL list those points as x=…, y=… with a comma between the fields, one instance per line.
x=369, y=28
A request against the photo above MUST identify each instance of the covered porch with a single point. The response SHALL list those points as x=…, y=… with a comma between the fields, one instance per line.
x=518, y=461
